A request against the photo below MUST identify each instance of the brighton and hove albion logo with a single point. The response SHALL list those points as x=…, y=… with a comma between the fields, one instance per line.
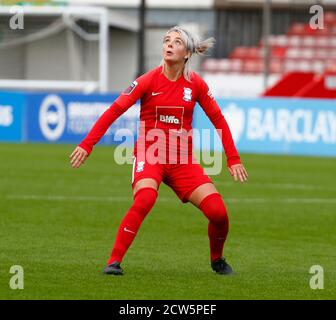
x=6, y=116
x=235, y=118
x=52, y=117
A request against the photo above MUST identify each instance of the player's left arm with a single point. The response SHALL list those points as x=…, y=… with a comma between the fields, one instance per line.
x=213, y=111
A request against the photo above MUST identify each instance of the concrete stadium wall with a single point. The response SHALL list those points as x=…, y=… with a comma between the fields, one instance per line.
x=50, y=59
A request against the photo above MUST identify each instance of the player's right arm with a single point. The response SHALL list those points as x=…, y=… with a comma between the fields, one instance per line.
x=127, y=99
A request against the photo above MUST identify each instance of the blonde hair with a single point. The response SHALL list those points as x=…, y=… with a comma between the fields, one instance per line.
x=194, y=45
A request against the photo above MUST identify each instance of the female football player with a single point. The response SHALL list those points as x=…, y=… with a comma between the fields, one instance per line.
x=168, y=95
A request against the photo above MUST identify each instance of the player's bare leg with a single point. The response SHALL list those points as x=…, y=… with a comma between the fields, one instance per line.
x=145, y=183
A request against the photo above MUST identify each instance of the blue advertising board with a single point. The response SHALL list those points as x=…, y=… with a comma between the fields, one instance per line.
x=69, y=117
x=264, y=125
x=282, y=126
x=11, y=116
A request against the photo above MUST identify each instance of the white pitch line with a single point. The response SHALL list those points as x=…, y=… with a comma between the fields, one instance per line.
x=165, y=199
x=285, y=200
x=75, y=198
x=68, y=198
x=279, y=186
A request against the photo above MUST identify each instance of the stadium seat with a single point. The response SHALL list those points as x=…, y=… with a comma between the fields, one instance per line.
x=223, y=65
x=300, y=49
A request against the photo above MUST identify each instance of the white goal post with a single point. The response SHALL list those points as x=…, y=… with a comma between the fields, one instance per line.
x=95, y=14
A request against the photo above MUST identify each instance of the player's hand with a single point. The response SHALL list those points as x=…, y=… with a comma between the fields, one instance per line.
x=238, y=172
x=78, y=157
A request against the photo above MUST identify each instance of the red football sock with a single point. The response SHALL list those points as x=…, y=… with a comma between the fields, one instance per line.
x=214, y=209
x=143, y=202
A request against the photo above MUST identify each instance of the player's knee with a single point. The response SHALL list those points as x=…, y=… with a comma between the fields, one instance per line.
x=219, y=215
x=214, y=209
x=144, y=199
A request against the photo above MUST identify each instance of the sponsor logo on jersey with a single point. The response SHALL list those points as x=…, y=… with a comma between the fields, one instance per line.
x=130, y=89
x=187, y=94
x=169, y=118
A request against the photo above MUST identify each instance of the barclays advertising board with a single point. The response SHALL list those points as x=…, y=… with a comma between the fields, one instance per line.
x=265, y=125
x=282, y=126
x=11, y=116
x=68, y=117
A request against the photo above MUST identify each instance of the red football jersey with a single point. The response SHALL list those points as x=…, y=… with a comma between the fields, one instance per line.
x=166, y=113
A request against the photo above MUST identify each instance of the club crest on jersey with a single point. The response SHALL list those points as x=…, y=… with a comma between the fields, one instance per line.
x=130, y=89
x=187, y=94
x=140, y=166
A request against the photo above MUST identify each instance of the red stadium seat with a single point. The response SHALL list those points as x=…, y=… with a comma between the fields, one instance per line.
x=239, y=53
x=253, y=66
x=224, y=65
x=236, y=65
x=210, y=65
x=301, y=49
x=278, y=52
x=276, y=66
x=296, y=29
x=330, y=19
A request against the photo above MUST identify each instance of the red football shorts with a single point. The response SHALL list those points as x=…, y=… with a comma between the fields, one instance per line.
x=182, y=178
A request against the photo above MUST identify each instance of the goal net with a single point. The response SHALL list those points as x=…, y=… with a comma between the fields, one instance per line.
x=54, y=48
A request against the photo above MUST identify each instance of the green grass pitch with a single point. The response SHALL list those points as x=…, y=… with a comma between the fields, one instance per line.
x=59, y=224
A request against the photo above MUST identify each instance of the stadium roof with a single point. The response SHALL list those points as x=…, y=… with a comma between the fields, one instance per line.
x=178, y=4
x=115, y=18
x=277, y=3
x=197, y=4
x=194, y=4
